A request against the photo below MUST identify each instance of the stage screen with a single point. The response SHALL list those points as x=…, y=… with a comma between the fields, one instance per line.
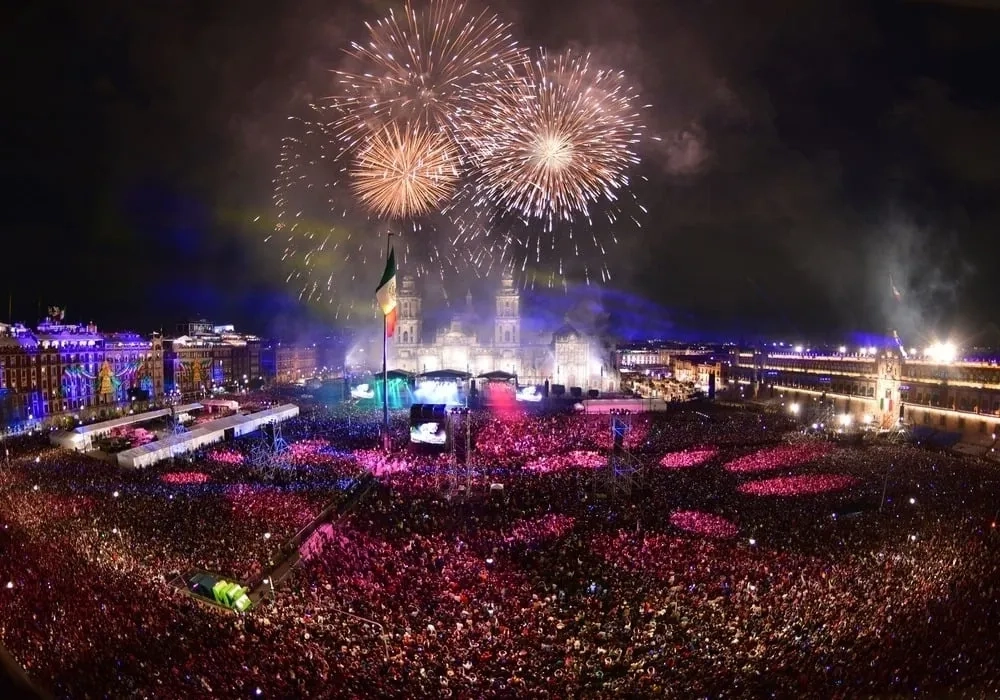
x=430, y=433
x=530, y=393
x=449, y=392
x=362, y=392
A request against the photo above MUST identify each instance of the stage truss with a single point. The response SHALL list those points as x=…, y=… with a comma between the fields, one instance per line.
x=176, y=426
x=265, y=455
x=623, y=473
x=460, y=475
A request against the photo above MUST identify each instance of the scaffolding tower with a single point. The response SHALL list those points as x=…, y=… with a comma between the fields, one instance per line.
x=461, y=468
x=265, y=455
x=623, y=472
x=176, y=426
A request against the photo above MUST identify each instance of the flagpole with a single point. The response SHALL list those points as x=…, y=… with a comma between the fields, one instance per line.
x=386, y=440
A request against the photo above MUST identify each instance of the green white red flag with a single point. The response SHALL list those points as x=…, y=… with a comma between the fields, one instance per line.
x=386, y=293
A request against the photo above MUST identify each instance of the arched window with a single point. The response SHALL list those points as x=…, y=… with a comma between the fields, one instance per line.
x=406, y=336
x=506, y=336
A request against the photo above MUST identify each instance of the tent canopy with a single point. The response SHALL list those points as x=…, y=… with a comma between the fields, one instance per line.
x=497, y=375
x=445, y=374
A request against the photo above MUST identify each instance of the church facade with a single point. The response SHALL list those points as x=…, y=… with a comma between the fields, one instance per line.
x=470, y=344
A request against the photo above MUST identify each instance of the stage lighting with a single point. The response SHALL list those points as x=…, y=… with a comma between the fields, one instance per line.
x=794, y=408
x=845, y=420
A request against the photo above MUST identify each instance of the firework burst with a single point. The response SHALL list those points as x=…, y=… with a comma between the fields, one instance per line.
x=430, y=66
x=328, y=238
x=557, y=138
x=404, y=172
x=443, y=133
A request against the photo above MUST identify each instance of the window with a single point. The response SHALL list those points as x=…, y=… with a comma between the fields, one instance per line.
x=406, y=336
x=506, y=336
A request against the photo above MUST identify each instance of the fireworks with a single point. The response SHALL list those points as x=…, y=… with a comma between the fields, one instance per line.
x=403, y=173
x=558, y=137
x=440, y=131
x=429, y=67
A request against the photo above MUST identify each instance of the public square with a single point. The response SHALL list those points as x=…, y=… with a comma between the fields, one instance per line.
x=750, y=561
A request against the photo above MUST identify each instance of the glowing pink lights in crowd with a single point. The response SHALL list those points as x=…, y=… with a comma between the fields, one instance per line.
x=380, y=464
x=801, y=485
x=688, y=458
x=184, y=478
x=706, y=524
x=274, y=507
x=311, y=451
x=552, y=526
x=781, y=457
x=583, y=459
x=231, y=457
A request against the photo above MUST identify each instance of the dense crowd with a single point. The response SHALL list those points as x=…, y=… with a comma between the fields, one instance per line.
x=746, y=564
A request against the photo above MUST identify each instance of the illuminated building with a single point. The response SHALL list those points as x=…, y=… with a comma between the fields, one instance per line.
x=66, y=368
x=564, y=357
x=140, y=360
x=696, y=369
x=206, y=357
x=293, y=363
x=643, y=355
x=881, y=386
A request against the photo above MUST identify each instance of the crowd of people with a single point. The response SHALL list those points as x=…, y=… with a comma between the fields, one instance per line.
x=745, y=564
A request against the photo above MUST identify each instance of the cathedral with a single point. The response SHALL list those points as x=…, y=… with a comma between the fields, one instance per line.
x=471, y=344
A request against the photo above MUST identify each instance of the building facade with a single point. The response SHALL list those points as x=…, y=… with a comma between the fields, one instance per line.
x=62, y=368
x=881, y=386
x=471, y=344
x=639, y=356
x=294, y=363
x=211, y=358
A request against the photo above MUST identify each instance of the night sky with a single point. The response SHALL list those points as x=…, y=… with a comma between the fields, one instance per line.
x=810, y=150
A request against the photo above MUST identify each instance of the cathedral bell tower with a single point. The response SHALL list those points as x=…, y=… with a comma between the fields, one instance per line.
x=408, y=330
x=507, y=324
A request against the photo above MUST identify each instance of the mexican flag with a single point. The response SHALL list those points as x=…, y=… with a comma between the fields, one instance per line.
x=386, y=294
